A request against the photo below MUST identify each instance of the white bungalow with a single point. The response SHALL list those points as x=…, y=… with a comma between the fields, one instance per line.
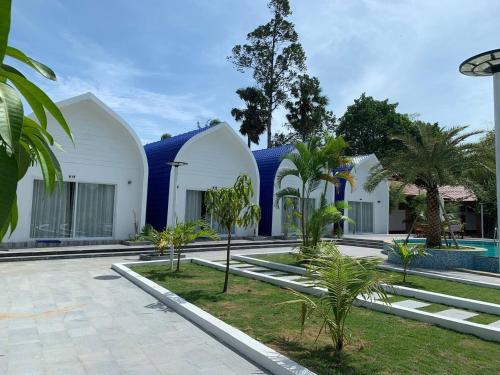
x=103, y=196
x=369, y=210
x=210, y=157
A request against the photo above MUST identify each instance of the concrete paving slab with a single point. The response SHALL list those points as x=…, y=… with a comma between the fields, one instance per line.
x=410, y=304
x=457, y=314
x=495, y=324
x=97, y=326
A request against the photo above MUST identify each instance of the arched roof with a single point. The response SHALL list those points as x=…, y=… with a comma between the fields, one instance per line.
x=158, y=154
x=90, y=97
x=268, y=161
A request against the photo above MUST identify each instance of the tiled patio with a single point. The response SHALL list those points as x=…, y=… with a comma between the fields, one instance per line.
x=78, y=317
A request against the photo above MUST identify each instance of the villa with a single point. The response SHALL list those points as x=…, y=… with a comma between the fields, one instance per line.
x=369, y=210
x=211, y=157
x=103, y=193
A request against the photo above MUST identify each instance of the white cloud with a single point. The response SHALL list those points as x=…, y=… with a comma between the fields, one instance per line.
x=117, y=83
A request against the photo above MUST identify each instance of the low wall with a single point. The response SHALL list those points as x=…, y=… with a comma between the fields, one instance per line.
x=486, y=264
x=443, y=259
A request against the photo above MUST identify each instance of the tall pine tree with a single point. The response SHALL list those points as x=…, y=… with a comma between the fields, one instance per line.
x=274, y=55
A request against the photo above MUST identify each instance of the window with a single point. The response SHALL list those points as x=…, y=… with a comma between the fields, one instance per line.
x=57, y=215
x=362, y=214
x=196, y=210
x=290, y=213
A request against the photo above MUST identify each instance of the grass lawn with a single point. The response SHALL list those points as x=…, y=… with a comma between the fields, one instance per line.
x=379, y=343
x=418, y=282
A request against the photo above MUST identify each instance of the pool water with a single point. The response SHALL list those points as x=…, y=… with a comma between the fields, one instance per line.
x=490, y=246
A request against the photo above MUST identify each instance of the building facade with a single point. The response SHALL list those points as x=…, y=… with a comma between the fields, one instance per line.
x=103, y=193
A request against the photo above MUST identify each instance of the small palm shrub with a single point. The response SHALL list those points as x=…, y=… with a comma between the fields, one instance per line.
x=407, y=253
x=344, y=278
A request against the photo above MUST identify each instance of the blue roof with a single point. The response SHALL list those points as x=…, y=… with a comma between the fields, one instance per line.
x=268, y=161
x=158, y=154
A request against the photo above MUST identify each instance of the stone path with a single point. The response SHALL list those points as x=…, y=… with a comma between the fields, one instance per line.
x=79, y=317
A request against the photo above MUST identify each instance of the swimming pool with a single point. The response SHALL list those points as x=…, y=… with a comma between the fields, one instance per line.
x=490, y=246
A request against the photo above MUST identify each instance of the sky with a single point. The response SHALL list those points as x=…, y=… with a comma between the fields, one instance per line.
x=162, y=65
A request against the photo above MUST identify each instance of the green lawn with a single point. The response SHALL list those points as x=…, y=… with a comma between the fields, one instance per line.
x=418, y=282
x=379, y=343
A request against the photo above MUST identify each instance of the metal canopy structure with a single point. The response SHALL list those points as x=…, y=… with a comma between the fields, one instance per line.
x=483, y=64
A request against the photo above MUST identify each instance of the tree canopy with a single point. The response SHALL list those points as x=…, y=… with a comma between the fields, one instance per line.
x=369, y=124
x=307, y=111
x=253, y=116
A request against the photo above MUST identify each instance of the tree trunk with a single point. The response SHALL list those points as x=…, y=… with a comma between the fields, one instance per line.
x=303, y=217
x=249, y=143
x=433, y=219
x=450, y=230
x=228, y=256
x=268, y=125
x=411, y=230
x=178, y=260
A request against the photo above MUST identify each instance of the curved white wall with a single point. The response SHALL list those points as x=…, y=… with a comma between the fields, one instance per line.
x=379, y=197
x=215, y=157
x=106, y=151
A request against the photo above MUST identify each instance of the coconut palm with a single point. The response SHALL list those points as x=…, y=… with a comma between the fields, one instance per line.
x=322, y=218
x=313, y=163
x=343, y=278
x=432, y=157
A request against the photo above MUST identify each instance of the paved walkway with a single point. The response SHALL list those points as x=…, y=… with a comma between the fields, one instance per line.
x=78, y=317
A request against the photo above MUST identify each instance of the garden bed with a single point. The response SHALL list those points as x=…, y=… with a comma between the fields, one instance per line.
x=419, y=282
x=375, y=344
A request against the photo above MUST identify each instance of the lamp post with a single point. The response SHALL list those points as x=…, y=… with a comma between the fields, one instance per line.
x=488, y=64
x=176, y=165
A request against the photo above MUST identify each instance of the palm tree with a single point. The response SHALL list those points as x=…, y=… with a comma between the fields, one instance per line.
x=312, y=164
x=344, y=278
x=431, y=158
x=253, y=117
x=232, y=206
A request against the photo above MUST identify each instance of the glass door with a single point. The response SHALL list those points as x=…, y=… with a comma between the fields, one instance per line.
x=362, y=215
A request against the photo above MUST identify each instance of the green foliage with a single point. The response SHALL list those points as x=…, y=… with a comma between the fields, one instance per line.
x=396, y=196
x=253, y=117
x=344, y=278
x=231, y=207
x=274, y=55
x=308, y=115
x=434, y=157
x=23, y=141
x=185, y=233
x=312, y=164
x=368, y=126
x=407, y=253
x=166, y=136
x=145, y=233
x=322, y=218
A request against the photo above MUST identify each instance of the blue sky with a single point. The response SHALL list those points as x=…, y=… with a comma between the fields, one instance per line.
x=162, y=64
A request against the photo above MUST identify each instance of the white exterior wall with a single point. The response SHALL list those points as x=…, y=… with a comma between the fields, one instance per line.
x=295, y=182
x=215, y=157
x=379, y=197
x=106, y=151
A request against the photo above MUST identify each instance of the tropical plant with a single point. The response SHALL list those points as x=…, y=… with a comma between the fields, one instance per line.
x=165, y=136
x=344, y=278
x=144, y=235
x=434, y=157
x=274, y=55
x=185, y=233
x=308, y=115
x=407, y=253
x=322, y=218
x=23, y=140
x=312, y=164
x=253, y=117
x=368, y=125
x=161, y=240
x=231, y=207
